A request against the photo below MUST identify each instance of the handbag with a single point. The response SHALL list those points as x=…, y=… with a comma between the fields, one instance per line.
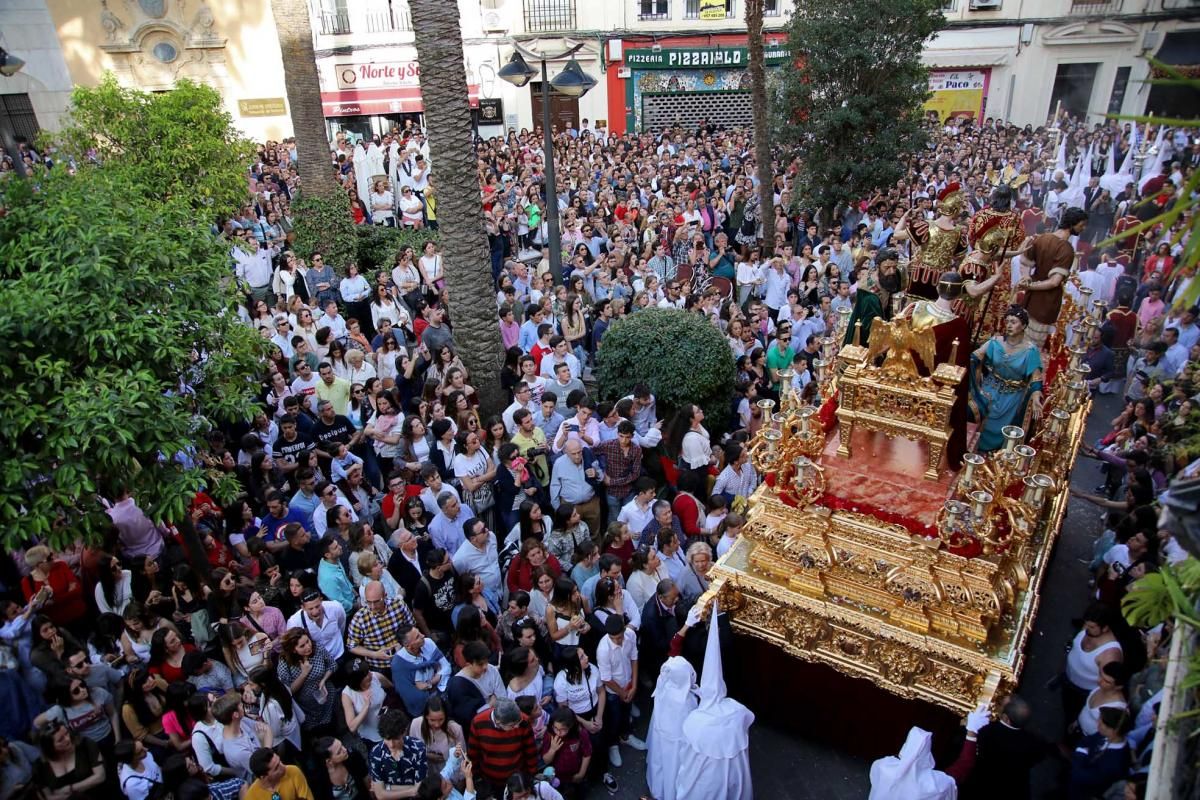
x=481, y=499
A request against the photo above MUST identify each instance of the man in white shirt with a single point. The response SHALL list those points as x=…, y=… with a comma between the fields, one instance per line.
x=478, y=554
x=561, y=355
x=1109, y=270
x=253, y=267
x=638, y=512
x=776, y=283
x=305, y=385
x=524, y=399
x=283, y=336
x=333, y=321
x=1176, y=355
x=617, y=657
x=324, y=621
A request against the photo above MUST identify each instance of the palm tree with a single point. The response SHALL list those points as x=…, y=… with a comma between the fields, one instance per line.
x=304, y=97
x=460, y=214
x=761, y=113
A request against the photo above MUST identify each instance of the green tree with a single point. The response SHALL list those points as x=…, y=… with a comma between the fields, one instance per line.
x=681, y=356
x=852, y=108
x=179, y=144
x=123, y=348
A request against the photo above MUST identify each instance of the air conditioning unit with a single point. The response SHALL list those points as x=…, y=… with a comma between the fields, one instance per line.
x=985, y=5
x=493, y=22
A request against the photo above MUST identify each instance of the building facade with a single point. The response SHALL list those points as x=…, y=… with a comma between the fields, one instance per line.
x=1018, y=60
x=657, y=63
x=231, y=45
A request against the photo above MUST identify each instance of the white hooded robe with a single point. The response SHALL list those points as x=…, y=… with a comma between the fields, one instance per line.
x=911, y=776
x=714, y=762
x=674, y=698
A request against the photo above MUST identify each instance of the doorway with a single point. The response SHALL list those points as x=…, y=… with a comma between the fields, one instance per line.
x=1073, y=86
x=564, y=111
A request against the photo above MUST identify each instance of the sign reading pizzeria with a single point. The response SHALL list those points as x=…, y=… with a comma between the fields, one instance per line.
x=702, y=57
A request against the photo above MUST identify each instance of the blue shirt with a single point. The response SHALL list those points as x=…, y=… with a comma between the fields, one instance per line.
x=407, y=669
x=334, y=584
x=528, y=336
x=447, y=533
x=274, y=524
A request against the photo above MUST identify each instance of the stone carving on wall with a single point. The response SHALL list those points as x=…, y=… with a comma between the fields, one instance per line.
x=161, y=44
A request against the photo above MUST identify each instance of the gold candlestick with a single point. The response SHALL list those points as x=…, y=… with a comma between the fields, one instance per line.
x=1012, y=435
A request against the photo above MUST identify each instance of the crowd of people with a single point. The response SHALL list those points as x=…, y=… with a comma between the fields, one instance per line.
x=410, y=598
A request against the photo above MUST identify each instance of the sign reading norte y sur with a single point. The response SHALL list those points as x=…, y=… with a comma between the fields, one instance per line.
x=700, y=57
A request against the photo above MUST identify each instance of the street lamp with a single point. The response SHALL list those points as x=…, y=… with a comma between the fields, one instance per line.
x=572, y=82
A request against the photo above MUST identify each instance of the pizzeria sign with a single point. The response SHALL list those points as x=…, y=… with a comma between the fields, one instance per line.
x=701, y=57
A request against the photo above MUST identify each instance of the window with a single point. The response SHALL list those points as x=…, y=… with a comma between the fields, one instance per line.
x=770, y=8
x=334, y=18
x=17, y=119
x=1120, y=84
x=654, y=9
x=950, y=6
x=692, y=9
x=549, y=15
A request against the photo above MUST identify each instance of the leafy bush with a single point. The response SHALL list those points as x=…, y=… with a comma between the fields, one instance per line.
x=378, y=245
x=323, y=225
x=681, y=356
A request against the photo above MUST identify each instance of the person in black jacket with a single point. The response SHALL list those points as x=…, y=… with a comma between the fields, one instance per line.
x=474, y=686
x=1006, y=753
x=662, y=617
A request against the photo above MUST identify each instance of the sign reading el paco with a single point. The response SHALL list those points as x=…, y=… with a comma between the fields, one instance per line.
x=262, y=107
x=957, y=93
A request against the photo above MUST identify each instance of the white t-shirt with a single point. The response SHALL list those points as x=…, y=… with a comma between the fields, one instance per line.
x=137, y=785
x=580, y=697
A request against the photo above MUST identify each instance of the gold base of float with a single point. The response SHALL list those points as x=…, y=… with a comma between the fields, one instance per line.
x=874, y=600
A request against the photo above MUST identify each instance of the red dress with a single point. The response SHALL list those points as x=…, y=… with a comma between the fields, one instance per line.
x=169, y=673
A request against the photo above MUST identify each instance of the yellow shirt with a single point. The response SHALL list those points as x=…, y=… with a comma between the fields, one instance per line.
x=292, y=786
x=338, y=393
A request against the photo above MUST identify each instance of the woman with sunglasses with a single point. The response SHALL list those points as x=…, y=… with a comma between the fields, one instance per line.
x=85, y=712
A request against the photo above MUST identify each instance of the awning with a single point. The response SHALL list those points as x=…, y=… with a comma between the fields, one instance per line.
x=388, y=100
x=960, y=59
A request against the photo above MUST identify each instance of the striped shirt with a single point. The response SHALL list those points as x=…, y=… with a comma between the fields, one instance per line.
x=497, y=754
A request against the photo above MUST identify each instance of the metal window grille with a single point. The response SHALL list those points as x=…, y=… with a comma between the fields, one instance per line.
x=654, y=9
x=771, y=8
x=1092, y=8
x=18, y=117
x=549, y=15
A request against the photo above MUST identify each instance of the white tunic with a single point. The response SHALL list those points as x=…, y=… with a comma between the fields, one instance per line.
x=674, y=698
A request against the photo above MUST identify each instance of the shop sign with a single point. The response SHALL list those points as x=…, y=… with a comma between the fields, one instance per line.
x=262, y=107
x=712, y=9
x=491, y=111
x=957, y=93
x=702, y=57
x=377, y=74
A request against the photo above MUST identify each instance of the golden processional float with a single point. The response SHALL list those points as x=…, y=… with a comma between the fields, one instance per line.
x=864, y=553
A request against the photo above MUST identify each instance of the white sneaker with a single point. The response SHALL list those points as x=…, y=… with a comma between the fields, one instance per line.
x=634, y=742
x=614, y=756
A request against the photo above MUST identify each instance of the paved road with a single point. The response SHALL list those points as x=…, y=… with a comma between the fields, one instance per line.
x=794, y=763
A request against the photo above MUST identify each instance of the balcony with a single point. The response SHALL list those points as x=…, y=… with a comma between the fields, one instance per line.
x=1095, y=8
x=548, y=16
x=654, y=10
x=691, y=9
x=382, y=20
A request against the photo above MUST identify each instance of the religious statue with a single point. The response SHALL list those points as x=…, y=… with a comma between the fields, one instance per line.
x=873, y=296
x=941, y=244
x=950, y=344
x=1045, y=267
x=1006, y=377
x=995, y=234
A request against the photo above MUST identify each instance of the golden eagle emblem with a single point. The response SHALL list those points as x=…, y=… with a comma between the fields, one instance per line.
x=900, y=341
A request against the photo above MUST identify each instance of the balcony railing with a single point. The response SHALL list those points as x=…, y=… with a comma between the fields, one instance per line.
x=691, y=9
x=654, y=9
x=382, y=21
x=543, y=16
x=1095, y=8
